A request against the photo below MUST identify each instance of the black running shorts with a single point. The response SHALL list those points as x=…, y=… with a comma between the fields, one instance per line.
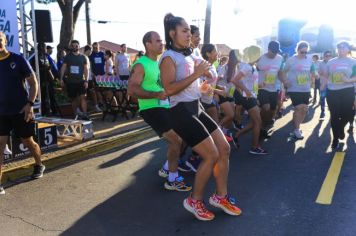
x=299, y=98
x=266, y=97
x=18, y=124
x=158, y=118
x=191, y=123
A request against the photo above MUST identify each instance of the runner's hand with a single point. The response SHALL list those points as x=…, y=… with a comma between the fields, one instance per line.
x=28, y=110
x=205, y=87
x=162, y=95
x=202, y=68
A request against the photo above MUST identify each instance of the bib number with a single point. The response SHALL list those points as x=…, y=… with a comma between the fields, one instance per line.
x=336, y=78
x=270, y=79
x=302, y=79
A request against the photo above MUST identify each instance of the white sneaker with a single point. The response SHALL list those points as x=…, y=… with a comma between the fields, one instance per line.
x=7, y=151
x=97, y=109
x=298, y=134
x=2, y=190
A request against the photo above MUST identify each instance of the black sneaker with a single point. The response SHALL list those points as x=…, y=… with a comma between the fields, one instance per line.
x=335, y=144
x=193, y=163
x=38, y=171
x=183, y=167
x=351, y=129
x=2, y=190
x=264, y=134
x=258, y=151
x=322, y=115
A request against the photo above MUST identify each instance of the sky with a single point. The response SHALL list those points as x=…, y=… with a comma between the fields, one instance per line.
x=236, y=23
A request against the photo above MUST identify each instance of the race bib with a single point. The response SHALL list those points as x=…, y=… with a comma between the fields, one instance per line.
x=336, y=78
x=74, y=69
x=270, y=79
x=231, y=91
x=98, y=60
x=302, y=79
x=164, y=102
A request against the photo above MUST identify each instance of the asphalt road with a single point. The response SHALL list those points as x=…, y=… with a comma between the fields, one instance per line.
x=120, y=193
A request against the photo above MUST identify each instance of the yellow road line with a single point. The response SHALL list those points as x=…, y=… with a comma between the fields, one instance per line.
x=328, y=188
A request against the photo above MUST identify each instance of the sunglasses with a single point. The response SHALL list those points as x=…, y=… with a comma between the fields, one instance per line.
x=303, y=52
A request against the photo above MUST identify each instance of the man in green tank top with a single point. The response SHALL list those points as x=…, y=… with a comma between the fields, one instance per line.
x=145, y=84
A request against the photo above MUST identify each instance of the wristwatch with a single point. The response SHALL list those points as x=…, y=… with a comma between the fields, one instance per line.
x=30, y=103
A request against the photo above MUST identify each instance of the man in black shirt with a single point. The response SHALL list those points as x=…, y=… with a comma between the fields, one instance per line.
x=75, y=67
x=16, y=111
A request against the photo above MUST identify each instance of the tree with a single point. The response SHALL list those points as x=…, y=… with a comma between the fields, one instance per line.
x=70, y=12
x=207, y=22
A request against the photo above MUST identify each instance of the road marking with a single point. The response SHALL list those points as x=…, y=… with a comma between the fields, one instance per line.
x=328, y=188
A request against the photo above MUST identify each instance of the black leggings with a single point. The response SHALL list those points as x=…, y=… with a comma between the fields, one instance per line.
x=340, y=105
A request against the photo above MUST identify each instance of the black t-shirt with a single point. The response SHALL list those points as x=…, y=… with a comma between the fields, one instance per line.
x=75, y=68
x=13, y=95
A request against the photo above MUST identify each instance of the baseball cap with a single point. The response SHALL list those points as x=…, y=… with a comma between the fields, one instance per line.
x=274, y=46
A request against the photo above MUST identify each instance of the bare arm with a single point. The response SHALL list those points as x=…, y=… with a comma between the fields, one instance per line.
x=28, y=109
x=168, y=71
x=135, y=89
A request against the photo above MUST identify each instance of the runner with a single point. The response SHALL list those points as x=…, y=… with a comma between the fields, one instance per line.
x=145, y=85
x=269, y=69
x=341, y=74
x=180, y=77
x=322, y=68
x=299, y=70
x=246, y=81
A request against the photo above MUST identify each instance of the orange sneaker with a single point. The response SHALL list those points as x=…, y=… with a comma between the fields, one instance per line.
x=198, y=209
x=227, y=204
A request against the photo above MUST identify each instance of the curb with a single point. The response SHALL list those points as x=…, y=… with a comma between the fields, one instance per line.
x=79, y=153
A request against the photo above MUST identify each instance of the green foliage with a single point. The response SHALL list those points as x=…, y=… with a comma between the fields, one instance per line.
x=46, y=1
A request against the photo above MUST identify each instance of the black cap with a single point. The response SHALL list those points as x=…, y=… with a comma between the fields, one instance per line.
x=49, y=47
x=274, y=46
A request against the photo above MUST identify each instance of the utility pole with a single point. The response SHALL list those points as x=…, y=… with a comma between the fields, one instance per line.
x=207, y=22
x=87, y=19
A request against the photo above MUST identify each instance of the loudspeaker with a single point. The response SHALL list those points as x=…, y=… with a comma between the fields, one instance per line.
x=43, y=26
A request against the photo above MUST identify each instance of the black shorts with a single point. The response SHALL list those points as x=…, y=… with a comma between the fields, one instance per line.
x=158, y=118
x=191, y=123
x=223, y=99
x=299, y=98
x=124, y=77
x=16, y=123
x=248, y=103
x=75, y=89
x=266, y=97
x=238, y=98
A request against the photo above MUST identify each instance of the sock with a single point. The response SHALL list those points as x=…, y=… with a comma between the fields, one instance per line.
x=172, y=176
x=165, y=166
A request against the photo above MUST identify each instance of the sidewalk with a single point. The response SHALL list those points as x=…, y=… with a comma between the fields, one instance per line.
x=107, y=135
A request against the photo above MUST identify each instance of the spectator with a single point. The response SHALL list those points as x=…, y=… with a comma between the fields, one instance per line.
x=122, y=63
x=91, y=84
x=48, y=103
x=97, y=62
x=75, y=67
x=60, y=57
x=16, y=105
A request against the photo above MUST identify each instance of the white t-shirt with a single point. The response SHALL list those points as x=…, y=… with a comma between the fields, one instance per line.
x=123, y=62
x=109, y=70
x=268, y=69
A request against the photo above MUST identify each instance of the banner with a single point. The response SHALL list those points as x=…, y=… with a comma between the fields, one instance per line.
x=9, y=24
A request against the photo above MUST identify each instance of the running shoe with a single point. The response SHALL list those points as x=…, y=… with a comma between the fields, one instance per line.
x=335, y=144
x=198, y=209
x=228, y=138
x=38, y=171
x=177, y=185
x=183, y=167
x=7, y=151
x=351, y=129
x=322, y=115
x=193, y=163
x=258, y=151
x=227, y=204
x=2, y=190
x=264, y=134
x=163, y=173
x=298, y=134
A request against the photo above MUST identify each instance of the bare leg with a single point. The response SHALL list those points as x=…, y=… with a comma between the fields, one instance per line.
x=34, y=149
